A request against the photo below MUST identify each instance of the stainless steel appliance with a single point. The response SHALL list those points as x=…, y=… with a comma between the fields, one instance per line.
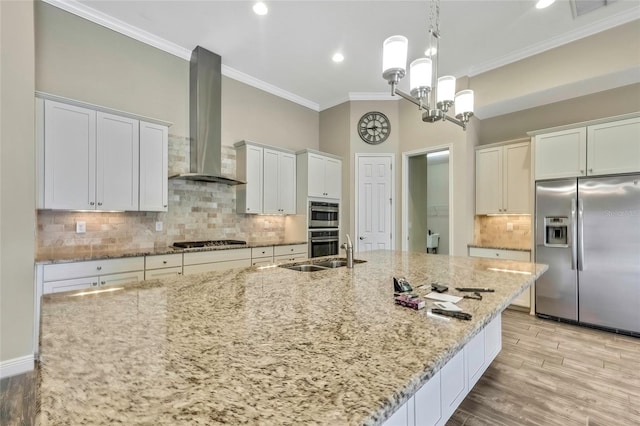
x=588, y=232
x=323, y=215
x=323, y=242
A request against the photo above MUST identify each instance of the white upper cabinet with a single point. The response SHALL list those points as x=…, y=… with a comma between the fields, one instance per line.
x=270, y=174
x=154, y=164
x=69, y=157
x=117, y=162
x=279, y=182
x=92, y=159
x=323, y=175
x=561, y=154
x=503, y=176
x=613, y=147
x=601, y=148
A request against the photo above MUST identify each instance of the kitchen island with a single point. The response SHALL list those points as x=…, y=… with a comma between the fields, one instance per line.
x=261, y=345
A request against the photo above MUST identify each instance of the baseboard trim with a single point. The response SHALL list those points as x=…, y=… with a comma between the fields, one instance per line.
x=15, y=366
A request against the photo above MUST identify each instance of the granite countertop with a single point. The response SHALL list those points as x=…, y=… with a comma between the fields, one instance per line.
x=260, y=345
x=489, y=246
x=62, y=255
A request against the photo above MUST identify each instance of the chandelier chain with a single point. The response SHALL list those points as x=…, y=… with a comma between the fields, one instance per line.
x=434, y=16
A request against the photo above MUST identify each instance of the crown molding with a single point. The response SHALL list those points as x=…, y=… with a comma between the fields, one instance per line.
x=267, y=87
x=588, y=30
x=97, y=17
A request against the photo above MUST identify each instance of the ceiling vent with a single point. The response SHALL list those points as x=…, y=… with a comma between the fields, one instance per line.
x=580, y=7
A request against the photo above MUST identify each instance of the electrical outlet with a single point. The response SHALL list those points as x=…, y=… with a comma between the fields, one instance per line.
x=158, y=226
x=81, y=227
x=509, y=226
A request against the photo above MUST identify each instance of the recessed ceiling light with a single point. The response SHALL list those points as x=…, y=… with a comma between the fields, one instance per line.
x=260, y=8
x=338, y=57
x=544, y=3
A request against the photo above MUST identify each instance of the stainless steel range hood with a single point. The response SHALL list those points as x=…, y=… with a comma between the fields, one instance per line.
x=205, y=122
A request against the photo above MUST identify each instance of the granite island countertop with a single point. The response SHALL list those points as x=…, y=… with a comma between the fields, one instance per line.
x=499, y=247
x=260, y=345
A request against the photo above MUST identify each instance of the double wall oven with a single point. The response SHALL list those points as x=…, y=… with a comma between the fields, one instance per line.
x=323, y=228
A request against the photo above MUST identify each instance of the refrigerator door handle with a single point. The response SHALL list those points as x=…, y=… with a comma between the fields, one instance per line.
x=580, y=235
x=574, y=231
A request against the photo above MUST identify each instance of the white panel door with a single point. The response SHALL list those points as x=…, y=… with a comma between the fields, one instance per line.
x=374, y=203
x=69, y=157
x=153, y=167
x=117, y=166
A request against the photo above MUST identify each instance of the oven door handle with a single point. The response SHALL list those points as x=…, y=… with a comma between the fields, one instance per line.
x=323, y=239
x=324, y=209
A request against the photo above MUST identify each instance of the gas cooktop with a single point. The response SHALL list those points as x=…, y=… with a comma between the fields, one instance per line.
x=208, y=243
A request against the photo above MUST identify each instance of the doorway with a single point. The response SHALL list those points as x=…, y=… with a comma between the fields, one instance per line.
x=426, y=189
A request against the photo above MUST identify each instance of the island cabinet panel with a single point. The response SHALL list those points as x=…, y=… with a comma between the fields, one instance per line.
x=427, y=402
x=436, y=401
x=206, y=261
x=475, y=358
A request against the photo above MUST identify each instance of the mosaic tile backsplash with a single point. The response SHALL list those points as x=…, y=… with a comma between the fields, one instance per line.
x=197, y=211
x=492, y=231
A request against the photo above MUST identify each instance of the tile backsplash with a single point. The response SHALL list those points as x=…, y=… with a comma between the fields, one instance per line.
x=197, y=211
x=492, y=231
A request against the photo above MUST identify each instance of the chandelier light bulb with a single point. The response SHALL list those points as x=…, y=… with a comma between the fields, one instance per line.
x=394, y=54
x=464, y=102
x=446, y=89
x=420, y=72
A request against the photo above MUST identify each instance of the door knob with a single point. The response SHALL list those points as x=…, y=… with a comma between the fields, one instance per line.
x=362, y=238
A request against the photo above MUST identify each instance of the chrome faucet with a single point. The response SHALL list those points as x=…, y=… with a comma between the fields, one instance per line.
x=348, y=247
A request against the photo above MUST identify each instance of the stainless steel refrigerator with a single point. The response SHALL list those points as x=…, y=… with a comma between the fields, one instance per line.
x=588, y=232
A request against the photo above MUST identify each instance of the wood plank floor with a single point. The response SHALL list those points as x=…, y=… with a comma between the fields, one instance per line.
x=548, y=373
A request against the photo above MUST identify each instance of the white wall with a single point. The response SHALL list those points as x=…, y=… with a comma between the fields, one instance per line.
x=17, y=182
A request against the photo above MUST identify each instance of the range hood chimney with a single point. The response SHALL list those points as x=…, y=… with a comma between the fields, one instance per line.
x=205, y=119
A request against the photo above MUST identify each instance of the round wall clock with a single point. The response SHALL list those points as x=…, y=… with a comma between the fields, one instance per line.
x=374, y=127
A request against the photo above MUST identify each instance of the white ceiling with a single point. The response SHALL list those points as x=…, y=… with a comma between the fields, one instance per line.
x=288, y=51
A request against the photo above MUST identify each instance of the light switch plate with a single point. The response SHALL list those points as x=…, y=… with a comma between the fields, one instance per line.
x=158, y=226
x=81, y=227
x=509, y=226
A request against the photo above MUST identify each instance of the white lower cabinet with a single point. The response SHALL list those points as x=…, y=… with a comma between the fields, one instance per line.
x=162, y=266
x=261, y=256
x=436, y=401
x=290, y=252
x=216, y=260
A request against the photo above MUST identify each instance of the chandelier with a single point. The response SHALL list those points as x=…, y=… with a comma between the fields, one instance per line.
x=435, y=95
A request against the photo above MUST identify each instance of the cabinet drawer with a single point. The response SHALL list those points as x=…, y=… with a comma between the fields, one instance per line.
x=163, y=261
x=217, y=256
x=69, y=285
x=257, y=252
x=157, y=274
x=64, y=271
x=290, y=249
x=261, y=261
x=523, y=256
x=216, y=266
x=289, y=257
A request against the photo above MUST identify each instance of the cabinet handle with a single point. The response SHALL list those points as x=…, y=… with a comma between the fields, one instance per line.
x=165, y=206
x=94, y=284
x=590, y=170
x=164, y=262
x=99, y=268
x=91, y=203
x=581, y=171
x=498, y=254
x=99, y=203
x=103, y=282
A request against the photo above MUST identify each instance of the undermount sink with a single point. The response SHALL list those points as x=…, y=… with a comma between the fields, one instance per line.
x=322, y=265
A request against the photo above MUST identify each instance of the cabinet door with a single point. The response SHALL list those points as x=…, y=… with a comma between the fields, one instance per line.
x=613, y=147
x=516, y=184
x=474, y=359
x=69, y=157
x=427, y=403
x=333, y=178
x=489, y=180
x=117, y=162
x=153, y=167
x=287, y=183
x=316, y=173
x=271, y=181
x=561, y=154
x=401, y=417
x=69, y=285
x=453, y=385
x=253, y=171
